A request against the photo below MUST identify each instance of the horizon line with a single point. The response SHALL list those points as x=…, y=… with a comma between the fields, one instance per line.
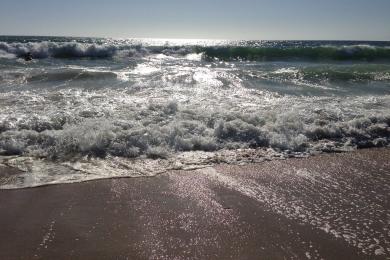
x=174, y=38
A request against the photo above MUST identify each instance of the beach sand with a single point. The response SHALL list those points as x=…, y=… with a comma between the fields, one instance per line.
x=331, y=206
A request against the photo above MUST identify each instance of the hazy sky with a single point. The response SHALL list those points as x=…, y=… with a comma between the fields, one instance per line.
x=221, y=19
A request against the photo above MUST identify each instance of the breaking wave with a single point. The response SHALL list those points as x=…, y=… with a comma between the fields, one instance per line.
x=58, y=50
x=41, y=50
x=47, y=49
x=322, y=53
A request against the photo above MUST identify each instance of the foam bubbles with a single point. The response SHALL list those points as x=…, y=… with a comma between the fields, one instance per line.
x=169, y=104
x=127, y=125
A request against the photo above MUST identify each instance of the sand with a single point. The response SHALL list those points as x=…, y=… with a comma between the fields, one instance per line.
x=332, y=206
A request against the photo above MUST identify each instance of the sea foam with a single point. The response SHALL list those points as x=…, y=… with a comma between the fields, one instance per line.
x=86, y=108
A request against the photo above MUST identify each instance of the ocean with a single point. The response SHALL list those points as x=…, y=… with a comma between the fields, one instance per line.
x=93, y=108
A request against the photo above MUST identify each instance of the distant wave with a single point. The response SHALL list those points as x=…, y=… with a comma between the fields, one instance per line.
x=46, y=49
x=41, y=50
x=58, y=50
x=345, y=53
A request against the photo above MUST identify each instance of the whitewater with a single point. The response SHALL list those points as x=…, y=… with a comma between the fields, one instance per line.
x=92, y=108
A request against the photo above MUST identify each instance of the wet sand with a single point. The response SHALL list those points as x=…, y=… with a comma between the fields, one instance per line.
x=332, y=206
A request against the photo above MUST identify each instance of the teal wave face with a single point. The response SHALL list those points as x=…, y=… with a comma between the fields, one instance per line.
x=324, y=53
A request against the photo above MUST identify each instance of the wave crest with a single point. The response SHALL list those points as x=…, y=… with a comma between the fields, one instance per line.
x=59, y=50
x=47, y=49
x=354, y=52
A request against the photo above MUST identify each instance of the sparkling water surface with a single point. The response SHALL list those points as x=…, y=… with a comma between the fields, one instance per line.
x=90, y=108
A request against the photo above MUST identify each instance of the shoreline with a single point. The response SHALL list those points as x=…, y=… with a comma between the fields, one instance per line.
x=11, y=171
x=331, y=206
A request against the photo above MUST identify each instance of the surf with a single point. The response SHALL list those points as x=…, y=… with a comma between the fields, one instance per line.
x=86, y=108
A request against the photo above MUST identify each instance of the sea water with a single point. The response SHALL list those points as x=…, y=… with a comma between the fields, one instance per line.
x=90, y=108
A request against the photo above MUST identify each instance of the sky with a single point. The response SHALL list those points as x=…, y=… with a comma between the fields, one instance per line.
x=199, y=19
